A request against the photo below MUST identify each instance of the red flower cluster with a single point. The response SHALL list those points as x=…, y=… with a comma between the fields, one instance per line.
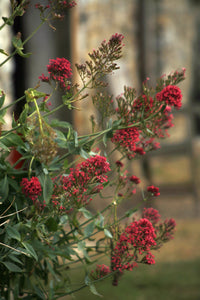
x=170, y=95
x=55, y=5
x=119, y=164
x=84, y=180
x=100, y=271
x=116, y=39
x=31, y=188
x=126, y=139
x=134, y=179
x=59, y=70
x=169, y=229
x=151, y=214
x=153, y=190
x=138, y=237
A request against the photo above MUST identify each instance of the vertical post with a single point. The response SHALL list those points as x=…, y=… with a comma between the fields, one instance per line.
x=6, y=70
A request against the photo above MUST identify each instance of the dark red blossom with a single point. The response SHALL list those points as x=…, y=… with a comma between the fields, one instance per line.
x=84, y=180
x=151, y=214
x=116, y=39
x=100, y=272
x=134, y=179
x=59, y=70
x=119, y=164
x=126, y=139
x=148, y=259
x=170, y=95
x=169, y=229
x=31, y=188
x=138, y=237
x=153, y=190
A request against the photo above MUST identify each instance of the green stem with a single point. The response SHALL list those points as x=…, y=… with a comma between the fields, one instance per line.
x=25, y=41
x=39, y=115
x=9, y=131
x=13, y=103
x=72, y=99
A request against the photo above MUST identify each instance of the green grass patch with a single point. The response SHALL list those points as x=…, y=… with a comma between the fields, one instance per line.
x=174, y=281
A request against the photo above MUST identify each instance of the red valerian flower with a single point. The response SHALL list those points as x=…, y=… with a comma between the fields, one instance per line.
x=137, y=238
x=169, y=229
x=119, y=164
x=126, y=139
x=60, y=71
x=148, y=259
x=170, y=95
x=153, y=190
x=151, y=214
x=31, y=188
x=116, y=39
x=99, y=272
x=84, y=180
x=135, y=179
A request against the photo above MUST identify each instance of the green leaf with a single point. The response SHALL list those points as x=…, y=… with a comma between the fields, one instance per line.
x=17, y=43
x=30, y=250
x=8, y=21
x=108, y=233
x=4, y=188
x=84, y=154
x=87, y=214
x=33, y=94
x=2, y=146
x=93, y=290
x=109, y=124
x=2, y=97
x=2, y=115
x=39, y=292
x=51, y=224
x=100, y=222
x=130, y=212
x=89, y=229
x=82, y=247
x=60, y=139
x=62, y=124
x=75, y=139
x=15, y=259
x=13, y=233
x=12, y=139
x=47, y=188
x=24, y=114
x=63, y=219
x=4, y=52
x=12, y=267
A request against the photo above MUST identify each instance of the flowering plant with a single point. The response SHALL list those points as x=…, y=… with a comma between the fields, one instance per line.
x=46, y=225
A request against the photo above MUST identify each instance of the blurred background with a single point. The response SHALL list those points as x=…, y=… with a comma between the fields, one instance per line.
x=160, y=36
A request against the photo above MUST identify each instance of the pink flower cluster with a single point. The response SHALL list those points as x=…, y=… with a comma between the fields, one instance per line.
x=55, y=5
x=170, y=95
x=126, y=139
x=135, y=179
x=99, y=272
x=31, y=188
x=164, y=230
x=59, y=70
x=155, y=112
x=151, y=214
x=153, y=190
x=85, y=179
x=137, y=238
